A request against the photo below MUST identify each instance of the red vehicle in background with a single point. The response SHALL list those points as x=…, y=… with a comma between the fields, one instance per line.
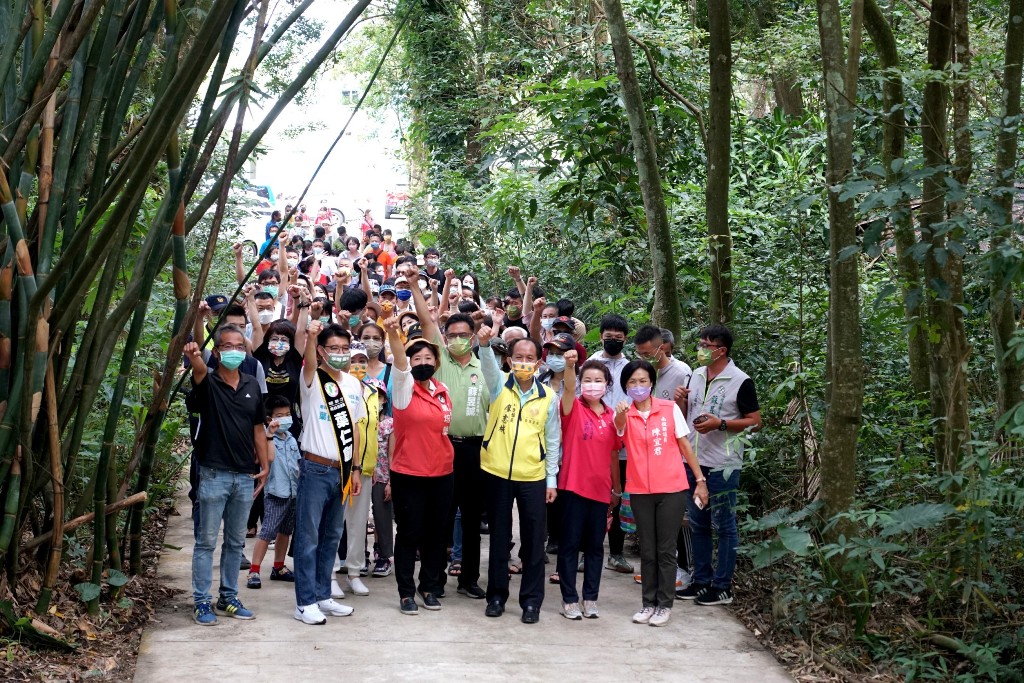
x=397, y=201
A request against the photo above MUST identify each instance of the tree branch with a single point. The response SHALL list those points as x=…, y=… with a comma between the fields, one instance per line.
x=694, y=110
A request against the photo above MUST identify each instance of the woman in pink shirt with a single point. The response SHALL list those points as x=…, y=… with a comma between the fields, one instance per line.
x=588, y=482
x=654, y=431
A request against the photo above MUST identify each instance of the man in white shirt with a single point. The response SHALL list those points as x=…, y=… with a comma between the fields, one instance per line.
x=332, y=402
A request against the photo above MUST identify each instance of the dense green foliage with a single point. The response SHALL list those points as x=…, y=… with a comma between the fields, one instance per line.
x=930, y=585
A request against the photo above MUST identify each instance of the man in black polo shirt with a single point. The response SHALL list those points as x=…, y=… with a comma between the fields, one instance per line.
x=233, y=446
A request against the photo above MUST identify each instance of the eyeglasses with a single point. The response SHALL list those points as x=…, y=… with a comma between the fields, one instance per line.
x=232, y=347
x=705, y=345
x=336, y=349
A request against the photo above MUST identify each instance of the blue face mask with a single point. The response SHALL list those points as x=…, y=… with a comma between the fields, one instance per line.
x=353, y=321
x=374, y=245
x=231, y=359
x=284, y=424
x=547, y=323
x=271, y=290
x=556, y=363
x=404, y=294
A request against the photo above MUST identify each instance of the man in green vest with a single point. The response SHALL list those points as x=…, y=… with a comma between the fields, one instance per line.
x=461, y=372
x=520, y=456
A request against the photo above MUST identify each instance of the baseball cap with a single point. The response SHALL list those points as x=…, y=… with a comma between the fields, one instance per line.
x=499, y=346
x=216, y=302
x=563, y=341
x=385, y=288
x=564, y=320
x=357, y=349
x=400, y=279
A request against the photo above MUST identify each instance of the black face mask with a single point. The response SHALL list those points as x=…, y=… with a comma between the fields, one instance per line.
x=613, y=347
x=422, y=372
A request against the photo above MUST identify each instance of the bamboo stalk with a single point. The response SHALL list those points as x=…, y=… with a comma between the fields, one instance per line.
x=57, y=479
x=73, y=524
x=11, y=503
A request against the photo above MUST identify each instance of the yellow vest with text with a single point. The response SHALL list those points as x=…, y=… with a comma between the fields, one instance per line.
x=513, y=446
x=368, y=431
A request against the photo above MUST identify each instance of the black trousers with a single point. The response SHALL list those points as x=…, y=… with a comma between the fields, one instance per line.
x=583, y=523
x=616, y=536
x=421, y=512
x=469, y=497
x=555, y=511
x=529, y=495
x=658, y=516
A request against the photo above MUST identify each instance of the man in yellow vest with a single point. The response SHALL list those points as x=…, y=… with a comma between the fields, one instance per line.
x=520, y=456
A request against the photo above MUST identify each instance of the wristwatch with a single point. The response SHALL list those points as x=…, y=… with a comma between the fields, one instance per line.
x=721, y=425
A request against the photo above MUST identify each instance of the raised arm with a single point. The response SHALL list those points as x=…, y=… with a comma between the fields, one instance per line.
x=397, y=350
x=488, y=363
x=430, y=328
x=309, y=356
x=364, y=277
x=528, y=296
x=195, y=360
x=239, y=266
x=199, y=325
x=517, y=279
x=538, y=306
x=569, y=382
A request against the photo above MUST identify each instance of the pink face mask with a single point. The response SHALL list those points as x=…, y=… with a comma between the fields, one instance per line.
x=595, y=391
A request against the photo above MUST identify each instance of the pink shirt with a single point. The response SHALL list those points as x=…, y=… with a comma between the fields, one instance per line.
x=588, y=442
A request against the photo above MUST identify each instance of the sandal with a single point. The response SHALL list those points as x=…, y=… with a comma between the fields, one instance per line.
x=455, y=568
x=515, y=568
x=554, y=578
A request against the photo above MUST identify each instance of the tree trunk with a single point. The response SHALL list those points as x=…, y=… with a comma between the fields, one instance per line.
x=845, y=371
x=788, y=95
x=666, y=311
x=894, y=143
x=716, y=193
x=1008, y=370
x=948, y=357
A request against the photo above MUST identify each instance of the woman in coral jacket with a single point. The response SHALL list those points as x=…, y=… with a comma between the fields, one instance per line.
x=654, y=432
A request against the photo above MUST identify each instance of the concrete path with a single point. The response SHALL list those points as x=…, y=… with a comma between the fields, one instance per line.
x=458, y=643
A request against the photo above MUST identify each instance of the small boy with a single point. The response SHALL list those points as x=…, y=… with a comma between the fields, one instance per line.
x=279, y=501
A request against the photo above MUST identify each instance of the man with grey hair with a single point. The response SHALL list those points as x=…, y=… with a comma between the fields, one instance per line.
x=233, y=446
x=668, y=342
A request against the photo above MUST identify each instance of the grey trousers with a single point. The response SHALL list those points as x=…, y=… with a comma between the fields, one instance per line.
x=658, y=516
x=383, y=522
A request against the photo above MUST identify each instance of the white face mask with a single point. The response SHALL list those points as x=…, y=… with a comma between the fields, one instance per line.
x=292, y=262
x=468, y=284
x=266, y=317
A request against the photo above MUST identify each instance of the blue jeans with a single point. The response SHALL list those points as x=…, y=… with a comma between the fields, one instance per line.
x=457, y=537
x=721, y=515
x=319, y=522
x=223, y=496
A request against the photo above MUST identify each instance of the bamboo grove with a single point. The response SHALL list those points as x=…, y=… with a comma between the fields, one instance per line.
x=104, y=106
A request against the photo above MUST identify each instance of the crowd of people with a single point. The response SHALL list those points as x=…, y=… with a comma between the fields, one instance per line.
x=363, y=410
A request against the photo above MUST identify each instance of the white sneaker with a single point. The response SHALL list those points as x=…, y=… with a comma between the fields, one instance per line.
x=334, y=609
x=337, y=565
x=310, y=614
x=643, y=616
x=683, y=579
x=336, y=591
x=357, y=586
x=572, y=611
x=661, y=616
x=590, y=609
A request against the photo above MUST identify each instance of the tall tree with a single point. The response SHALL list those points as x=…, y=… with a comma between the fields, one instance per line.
x=894, y=141
x=666, y=310
x=845, y=368
x=719, y=147
x=942, y=273
x=1010, y=375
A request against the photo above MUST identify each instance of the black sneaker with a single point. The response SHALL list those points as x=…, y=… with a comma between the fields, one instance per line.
x=245, y=564
x=282, y=574
x=693, y=591
x=494, y=608
x=474, y=591
x=715, y=596
x=430, y=601
x=408, y=606
x=552, y=548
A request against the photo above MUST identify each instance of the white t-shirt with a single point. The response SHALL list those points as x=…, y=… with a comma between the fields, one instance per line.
x=328, y=265
x=682, y=429
x=318, y=435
